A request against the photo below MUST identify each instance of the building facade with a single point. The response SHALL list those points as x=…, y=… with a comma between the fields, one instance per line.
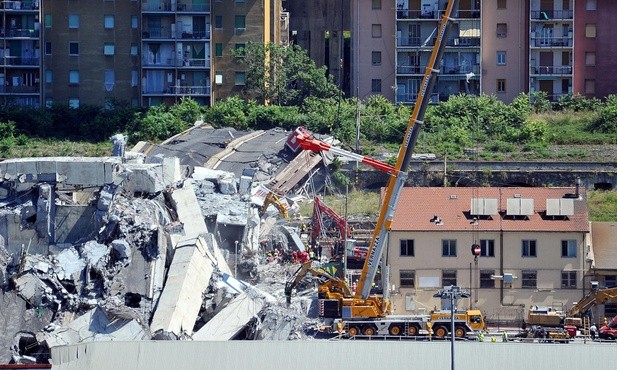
x=535, y=243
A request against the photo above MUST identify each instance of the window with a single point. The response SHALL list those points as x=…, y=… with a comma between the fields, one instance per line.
x=590, y=86
x=73, y=21
x=568, y=279
x=376, y=30
x=48, y=20
x=109, y=21
x=218, y=22
x=110, y=79
x=240, y=22
x=407, y=248
x=376, y=58
x=590, y=58
x=590, y=30
x=487, y=248
x=134, y=78
x=134, y=22
x=568, y=248
x=448, y=248
x=47, y=48
x=529, y=279
x=591, y=5
x=240, y=78
x=485, y=279
x=376, y=4
x=74, y=77
x=610, y=281
x=501, y=58
x=109, y=48
x=501, y=86
x=73, y=48
x=529, y=248
x=134, y=49
x=49, y=76
x=376, y=85
x=218, y=49
x=49, y=102
x=74, y=103
x=448, y=277
x=240, y=50
x=408, y=278
x=501, y=4
x=502, y=30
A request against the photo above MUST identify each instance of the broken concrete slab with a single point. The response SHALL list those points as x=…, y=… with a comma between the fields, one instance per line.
x=189, y=212
x=187, y=279
x=95, y=254
x=68, y=264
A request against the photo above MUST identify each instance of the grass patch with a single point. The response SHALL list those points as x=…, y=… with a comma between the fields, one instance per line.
x=602, y=205
x=56, y=148
x=359, y=202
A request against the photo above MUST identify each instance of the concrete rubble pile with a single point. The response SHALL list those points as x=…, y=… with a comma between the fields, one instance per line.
x=117, y=249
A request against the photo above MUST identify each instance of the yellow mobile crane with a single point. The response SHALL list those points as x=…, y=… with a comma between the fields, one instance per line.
x=364, y=312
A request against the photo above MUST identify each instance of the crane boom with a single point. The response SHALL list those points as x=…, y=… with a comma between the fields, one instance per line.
x=598, y=296
x=398, y=177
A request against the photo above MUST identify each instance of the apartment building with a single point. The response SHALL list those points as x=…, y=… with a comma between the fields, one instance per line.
x=20, y=53
x=535, y=248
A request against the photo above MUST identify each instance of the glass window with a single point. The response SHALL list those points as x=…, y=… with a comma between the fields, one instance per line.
x=487, y=248
x=375, y=85
x=134, y=22
x=590, y=58
x=48, y=20
x=376, y=58
x=529, y=279
x=240, y=48
x=501, y=4
x=590, y=30
x=590, y=86
x=486, y=280
x=448, y=277
x=502, y=30
x=240, y=78
x=110, y=79
x=74, y=103
x=47, y=48
x=49, y=76
x=218, y=49
x=49, y=102
x=218, y=21
x=73, y=21
x=109, y=21
x=448, y=248
x=134, y=49
x=568, y=248
x=240, y=22
x=407, y=278
x=529, y=248
x=376, y=4
x=591, y=5
x=74, y=77
x=501, y=86
x=73, y=48
x=568, y=279
x=376, y=30
x=109, y=48
x=134, y=78
x=501, y=58
x=610, y=281
x=407, y=248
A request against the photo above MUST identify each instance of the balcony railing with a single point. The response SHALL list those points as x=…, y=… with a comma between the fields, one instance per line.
x=175, y=62
x=545, y=15
x=20, y=5
x=403, y=14
x=20, y=89
x=17, y=32
x=165, y=33
x=541, y=41
x=179, y=90
x=419, y=42
x=551, y=70
x=19, y=61
x=180, y=6
x=412, y=97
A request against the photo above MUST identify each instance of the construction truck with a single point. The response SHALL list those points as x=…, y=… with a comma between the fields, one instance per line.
x=609, y=331
x=366, y=312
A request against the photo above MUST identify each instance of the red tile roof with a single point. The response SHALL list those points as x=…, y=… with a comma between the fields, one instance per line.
x=418, y=205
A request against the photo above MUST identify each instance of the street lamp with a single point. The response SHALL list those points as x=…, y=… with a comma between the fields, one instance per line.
x=236, y=261
x=454, y=293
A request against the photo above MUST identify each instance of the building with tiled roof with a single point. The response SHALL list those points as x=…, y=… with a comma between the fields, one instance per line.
x=534, y=248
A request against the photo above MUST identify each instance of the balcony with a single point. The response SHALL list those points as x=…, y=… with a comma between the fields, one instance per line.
x=546, y=15
x=404, y=14
x=173, y=6
x=20, y=5
x=18, y=32
x=165, y=33
x=19, y=61
x=551, y=70
x=412, y=97
x=20, y=89
x=547, y=42
x=179, y=90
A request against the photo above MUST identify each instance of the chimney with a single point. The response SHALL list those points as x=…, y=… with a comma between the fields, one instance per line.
x=578, y=185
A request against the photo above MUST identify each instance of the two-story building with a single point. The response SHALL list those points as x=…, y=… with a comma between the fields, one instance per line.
x=534, y=246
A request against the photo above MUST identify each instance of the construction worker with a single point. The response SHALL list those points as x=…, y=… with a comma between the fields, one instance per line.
x=480, y=336
x=339, y=328
x=504, y=336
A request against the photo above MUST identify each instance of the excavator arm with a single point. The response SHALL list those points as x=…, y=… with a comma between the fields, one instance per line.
x=331, y=287
x=598, y=296
x=319, y=210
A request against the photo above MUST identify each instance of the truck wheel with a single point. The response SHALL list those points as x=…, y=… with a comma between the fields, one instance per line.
x=369, y=330
x=459, y=332
x=441, y=332
x=395, y=330
x=412, y=331
x=353, y=331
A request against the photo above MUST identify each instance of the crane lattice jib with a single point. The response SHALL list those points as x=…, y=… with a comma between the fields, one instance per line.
x=397, y=179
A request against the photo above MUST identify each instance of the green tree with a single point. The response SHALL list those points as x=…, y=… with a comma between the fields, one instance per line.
x=605, y=120
x=283, y=75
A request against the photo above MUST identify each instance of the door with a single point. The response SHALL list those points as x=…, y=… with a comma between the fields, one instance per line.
x=546, y=63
